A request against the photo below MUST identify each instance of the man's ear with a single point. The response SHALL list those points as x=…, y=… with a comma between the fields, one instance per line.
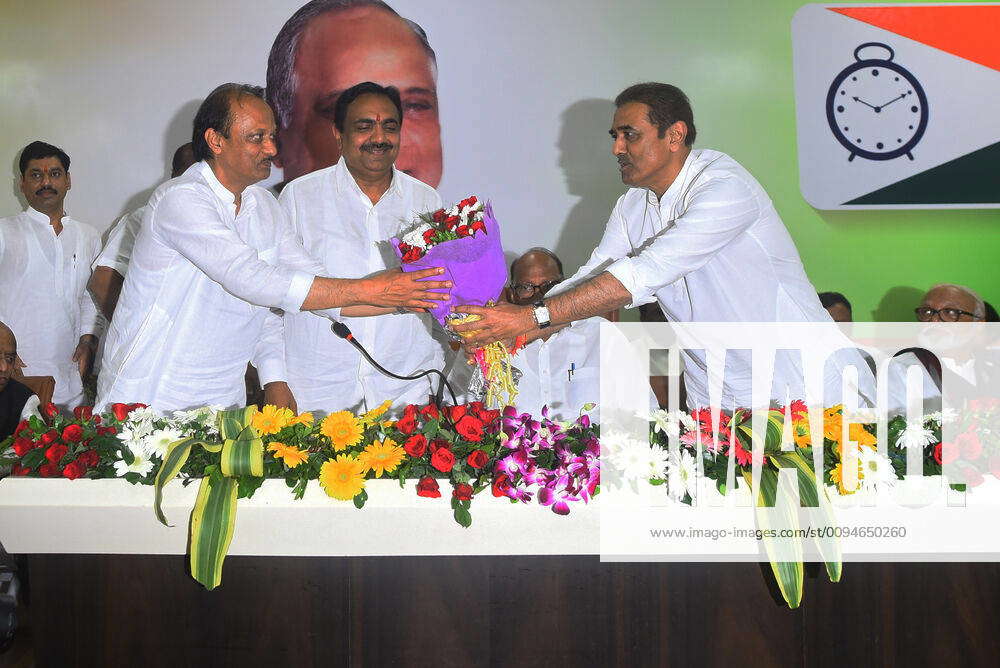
x=676, y=134
x=214, y=141
x=339, y=138
x=69, y=181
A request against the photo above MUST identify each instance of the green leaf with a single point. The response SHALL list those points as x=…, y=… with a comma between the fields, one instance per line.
x=247, y=486
x=212, y=522
x=33, y=458
x=463, y=517
x=360, y=498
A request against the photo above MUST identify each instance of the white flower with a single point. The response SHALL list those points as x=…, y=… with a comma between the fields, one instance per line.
x=141, y=416
x=415, y=237
x=946, y=416
x=681, y=471
x=876, y=469
x=204, y=417
x=141, y=464
x=915, y=435
x=670, y=423
x=156, y=443
x=637, y=460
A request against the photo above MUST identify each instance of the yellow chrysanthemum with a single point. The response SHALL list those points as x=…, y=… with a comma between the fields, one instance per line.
x=342, y=428
x=388, y=424
x=372, y=416
x=837, y=476
x=271, y=419
x=291, y=455
x=381, y=457
x=303, y=418
x=800, y=432
x=862, y=436
x=343, y=478
x=833, y=424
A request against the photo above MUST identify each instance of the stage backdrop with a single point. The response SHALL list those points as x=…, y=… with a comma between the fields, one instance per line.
x=525, y=93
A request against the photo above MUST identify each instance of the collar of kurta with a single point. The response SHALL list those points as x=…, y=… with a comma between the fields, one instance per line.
x=678, y=182
x=41, y=218
x=221, y=191
x=343, y=179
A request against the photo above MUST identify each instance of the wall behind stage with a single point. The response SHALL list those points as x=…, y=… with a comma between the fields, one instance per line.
x=525, y=92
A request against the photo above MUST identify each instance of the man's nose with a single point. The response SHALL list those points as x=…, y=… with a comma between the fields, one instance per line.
x=618, y=146
x=270, y=147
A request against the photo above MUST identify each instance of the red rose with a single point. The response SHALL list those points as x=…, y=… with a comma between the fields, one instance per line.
x=455, y=413
x=90, y=458
x=479, y=226
x=501, y=485
x=47, y=470
x=21, y=426
x=462, y=492
x=49, y=437
x=439, y=216
x=489, y=417
x=470, y=428
x=430, y=412
x=72, y=433
x=440, y=443
x=413, y=254
x=443, y=460
x=428, y=487
x=477, y=459
x=49, y=410
x=945, y=453
x=17, y=469
x=995, y=466
x=476, y=407
x=411, y=410
x=121, y=411
x=462, y=230
x=74, y=470
x=416, y=445
x=83, y=412
x=23, y=446
x=969, y=445
x=973, y=478
x=102, y=431
x=407, y=424
x=96, y=419
x=56, y=452
x=451, y=221
x=429, y=235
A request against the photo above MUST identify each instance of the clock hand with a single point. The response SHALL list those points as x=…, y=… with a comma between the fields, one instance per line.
x=895, y=99
x=858, y=99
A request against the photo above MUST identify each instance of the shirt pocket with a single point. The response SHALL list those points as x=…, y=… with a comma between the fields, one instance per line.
x=584, y=387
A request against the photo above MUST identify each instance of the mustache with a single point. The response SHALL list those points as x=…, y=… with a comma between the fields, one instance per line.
x=376, y=146
x=46, y=189
x=623, y=161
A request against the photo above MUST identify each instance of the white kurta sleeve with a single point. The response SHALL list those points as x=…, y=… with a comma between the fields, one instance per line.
x=117, y=251
x=269, y=353
x=292, y=253
x=91, y=320
x=719, y=212
x=613, y=246
x=189, y=223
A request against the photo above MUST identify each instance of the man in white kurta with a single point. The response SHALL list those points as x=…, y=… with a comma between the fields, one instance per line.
x=341, y=225
x=211, y=263
x=696, y=233
x=44, y=268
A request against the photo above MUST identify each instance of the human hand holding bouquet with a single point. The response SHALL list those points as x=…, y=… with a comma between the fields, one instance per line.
x=465, y=241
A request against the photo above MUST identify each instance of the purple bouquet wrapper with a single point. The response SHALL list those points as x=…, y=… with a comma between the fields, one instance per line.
x=475, y=265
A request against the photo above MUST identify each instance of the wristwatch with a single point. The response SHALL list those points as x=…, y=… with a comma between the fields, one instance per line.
x=541, y=314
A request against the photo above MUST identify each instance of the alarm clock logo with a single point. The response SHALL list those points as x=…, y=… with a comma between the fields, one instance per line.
x=876, y=108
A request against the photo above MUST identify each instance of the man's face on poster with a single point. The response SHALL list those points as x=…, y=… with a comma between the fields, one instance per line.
x=340, y=49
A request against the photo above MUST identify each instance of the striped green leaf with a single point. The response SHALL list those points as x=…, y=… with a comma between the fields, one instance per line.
x=790, y=575
x=212, y=522
x=177, y=453
x=243, y=455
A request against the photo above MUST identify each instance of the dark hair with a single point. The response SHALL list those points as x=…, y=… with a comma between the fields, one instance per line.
x=537, y=249
x=214, y=113
x=991, y=313
x=356, y=91
x=37, y=150
x=183, y=158
x=828, y=299
x=667, y=105
x=281, y=61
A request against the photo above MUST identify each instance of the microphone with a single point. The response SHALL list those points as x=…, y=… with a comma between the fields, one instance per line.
x=344, y=332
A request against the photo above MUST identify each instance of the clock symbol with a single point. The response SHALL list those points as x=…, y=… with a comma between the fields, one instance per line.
x=876, y=108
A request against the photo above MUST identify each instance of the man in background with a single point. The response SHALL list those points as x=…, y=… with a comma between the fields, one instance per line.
x=326, y=47
x=345, y=215
x=837, y=306
x=111, y=265
x=45, y=261
x=17, y=401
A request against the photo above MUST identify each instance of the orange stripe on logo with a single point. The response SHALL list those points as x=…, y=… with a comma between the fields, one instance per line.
x=966, y=31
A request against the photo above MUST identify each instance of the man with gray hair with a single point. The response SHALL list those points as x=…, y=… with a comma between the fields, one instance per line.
x=947, y=302
x=326, y=47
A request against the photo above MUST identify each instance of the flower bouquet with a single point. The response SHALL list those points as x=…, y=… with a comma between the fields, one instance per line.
x=465, y=241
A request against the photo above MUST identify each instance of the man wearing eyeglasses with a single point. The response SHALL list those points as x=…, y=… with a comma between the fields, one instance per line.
x=561, y=369
x=948, y=302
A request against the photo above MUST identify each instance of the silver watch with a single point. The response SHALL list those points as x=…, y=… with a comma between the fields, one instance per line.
x=541, y=314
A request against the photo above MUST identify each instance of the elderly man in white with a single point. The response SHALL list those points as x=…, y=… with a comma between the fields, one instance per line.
x=213, y=258
x=345, y=215
x=562, y=368
x=695, y=232
x=45, y=261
